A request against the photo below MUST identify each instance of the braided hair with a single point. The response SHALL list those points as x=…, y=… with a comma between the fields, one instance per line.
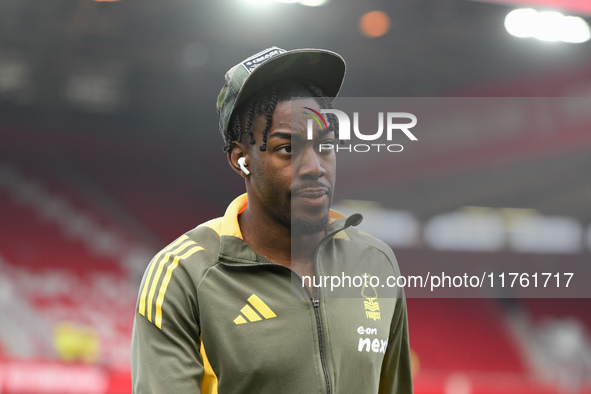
x=264, y=103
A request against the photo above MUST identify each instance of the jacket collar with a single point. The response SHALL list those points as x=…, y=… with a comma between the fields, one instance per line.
x=234, y=249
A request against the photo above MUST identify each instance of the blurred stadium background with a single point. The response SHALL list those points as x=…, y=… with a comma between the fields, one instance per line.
x=109, y=150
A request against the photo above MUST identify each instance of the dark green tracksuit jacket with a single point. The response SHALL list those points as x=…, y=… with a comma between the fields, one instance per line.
x=212, y=316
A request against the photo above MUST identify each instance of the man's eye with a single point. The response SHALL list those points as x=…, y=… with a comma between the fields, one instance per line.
x=284, y=149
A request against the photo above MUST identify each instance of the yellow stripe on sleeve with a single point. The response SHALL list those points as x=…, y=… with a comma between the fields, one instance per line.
x=261, y=307
x=164, y=285
x=142, y=306
x=209, y=381
x=165, y=259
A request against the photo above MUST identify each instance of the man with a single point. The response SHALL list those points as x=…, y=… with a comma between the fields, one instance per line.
x=224, y=307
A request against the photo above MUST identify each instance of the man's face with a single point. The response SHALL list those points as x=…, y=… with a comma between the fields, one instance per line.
x=292, y=180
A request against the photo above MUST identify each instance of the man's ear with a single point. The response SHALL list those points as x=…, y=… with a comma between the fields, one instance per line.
x=238, y=150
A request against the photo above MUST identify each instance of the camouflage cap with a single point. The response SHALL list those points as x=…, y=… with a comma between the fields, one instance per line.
x=324, y=68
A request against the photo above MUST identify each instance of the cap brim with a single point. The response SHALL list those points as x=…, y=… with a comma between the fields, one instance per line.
x=324, y=68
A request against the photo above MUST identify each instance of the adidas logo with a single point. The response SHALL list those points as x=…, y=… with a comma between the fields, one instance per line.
x=251, y=314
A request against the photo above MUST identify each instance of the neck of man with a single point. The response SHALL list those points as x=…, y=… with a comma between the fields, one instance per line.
x=275, y=242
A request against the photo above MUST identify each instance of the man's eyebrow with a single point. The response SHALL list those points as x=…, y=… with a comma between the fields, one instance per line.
x=296, y=136
x=280, y=134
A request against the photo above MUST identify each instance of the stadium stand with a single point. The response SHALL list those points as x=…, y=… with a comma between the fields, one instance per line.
x=67, y=293
x=32, y=242
x=544, y=309
x=462, y=334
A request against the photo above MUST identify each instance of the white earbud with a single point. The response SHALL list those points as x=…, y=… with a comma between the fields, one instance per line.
x=242, y=164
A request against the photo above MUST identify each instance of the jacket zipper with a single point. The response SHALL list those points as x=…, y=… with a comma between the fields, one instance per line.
x=316, y=303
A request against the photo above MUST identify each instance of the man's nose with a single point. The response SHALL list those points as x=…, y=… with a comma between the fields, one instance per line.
x=310, y=164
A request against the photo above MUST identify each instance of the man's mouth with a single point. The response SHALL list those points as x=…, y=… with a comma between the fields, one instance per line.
x=312, y=195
